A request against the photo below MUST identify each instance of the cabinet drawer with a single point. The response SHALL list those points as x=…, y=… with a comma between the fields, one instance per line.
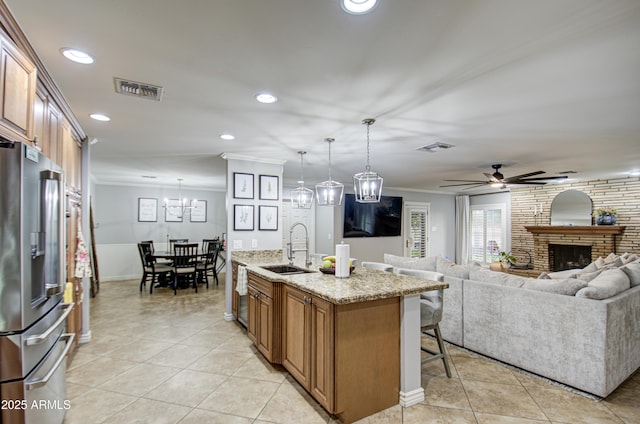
x=260, y=284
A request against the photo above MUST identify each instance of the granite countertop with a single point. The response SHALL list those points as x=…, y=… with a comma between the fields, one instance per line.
x=364, y=284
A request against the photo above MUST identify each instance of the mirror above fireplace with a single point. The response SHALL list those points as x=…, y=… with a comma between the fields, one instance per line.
x=571, y=207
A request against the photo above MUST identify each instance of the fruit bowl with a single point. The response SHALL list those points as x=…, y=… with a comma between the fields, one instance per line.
x=333, y=270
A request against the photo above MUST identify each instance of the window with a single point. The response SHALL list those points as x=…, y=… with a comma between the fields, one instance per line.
x=488, y=232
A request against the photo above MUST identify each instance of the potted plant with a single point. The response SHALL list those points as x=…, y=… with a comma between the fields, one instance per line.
x=505, y=260
x=605, y=215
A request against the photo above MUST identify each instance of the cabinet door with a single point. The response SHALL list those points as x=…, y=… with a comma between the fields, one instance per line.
x=235, y=297
x=252, y=314
x=322, y=361
x=264, y=339
x=17, y=90
x=40, y=122
x=54, y=128
x=296, y=347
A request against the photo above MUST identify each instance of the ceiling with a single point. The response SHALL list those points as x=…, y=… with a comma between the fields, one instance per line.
x=534, y=85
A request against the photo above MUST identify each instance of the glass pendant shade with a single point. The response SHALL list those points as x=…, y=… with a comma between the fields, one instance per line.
x=368, y=184
x=301, y=197
x=330, y=192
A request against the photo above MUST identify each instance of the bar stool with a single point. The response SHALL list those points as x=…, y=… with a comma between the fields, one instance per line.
x=430, y=314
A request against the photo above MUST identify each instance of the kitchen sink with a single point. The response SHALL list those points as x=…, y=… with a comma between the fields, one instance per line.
x=286, y=269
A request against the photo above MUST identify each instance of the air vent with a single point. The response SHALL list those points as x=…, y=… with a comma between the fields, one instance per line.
x=138, y=89
x=435, y=147
x=568, y=172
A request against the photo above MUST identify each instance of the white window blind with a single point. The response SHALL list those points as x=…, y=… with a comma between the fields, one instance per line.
x=418, y=234
x=488, y=232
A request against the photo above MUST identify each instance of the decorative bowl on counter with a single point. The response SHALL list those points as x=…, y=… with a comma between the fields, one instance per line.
x=333, y=270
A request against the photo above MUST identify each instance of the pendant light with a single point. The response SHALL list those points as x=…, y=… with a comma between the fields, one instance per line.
x=367, y=185
x=301, y=197
x=329, y=193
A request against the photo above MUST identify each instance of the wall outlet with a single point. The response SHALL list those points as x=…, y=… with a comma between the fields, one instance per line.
x=329, y=236
x=254, y=243
x=237, y=244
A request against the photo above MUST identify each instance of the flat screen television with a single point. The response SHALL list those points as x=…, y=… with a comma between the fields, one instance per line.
x=382, y=219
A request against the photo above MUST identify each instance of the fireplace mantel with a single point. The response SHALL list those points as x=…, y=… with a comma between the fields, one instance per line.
x=591, y=230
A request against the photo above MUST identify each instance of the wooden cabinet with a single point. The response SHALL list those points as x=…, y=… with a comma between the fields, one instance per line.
x=71, y=160
x=17, y=91
x=235, y=297
x=263, y=318
x=307, y=340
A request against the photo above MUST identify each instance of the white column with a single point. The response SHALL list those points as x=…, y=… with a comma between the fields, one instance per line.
x=411, y=391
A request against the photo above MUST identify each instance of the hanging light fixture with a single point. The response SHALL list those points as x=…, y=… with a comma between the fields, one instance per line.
x=301, y=197
x=181, y=206
x=367, y=184
x=329, y=193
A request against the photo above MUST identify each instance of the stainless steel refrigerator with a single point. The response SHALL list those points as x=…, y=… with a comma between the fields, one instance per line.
x=33, y=343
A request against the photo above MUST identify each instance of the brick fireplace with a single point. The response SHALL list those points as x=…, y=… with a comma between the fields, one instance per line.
x=601, y=239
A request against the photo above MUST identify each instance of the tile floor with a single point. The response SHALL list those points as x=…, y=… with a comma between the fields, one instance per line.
x=173, y=359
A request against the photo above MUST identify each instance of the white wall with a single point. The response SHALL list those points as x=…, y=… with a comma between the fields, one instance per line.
x=117, y=230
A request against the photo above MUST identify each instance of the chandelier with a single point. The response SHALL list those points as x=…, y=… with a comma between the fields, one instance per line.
x=301, y=197
x=181, y=206
x=368, y=184
x=329, y=193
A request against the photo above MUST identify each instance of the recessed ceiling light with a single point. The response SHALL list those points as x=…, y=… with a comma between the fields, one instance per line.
x=100, y=117
x=358, y=7
x=266, y=98
x=227, y=136
x=77, y=56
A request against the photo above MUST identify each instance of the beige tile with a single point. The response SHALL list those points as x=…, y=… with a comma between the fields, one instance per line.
x=290, y=405
x=259, y=368
x=97, y=372
x=178, y=356
x=146, y=411
x=389, y=415
x=530, y=380
x=445, y=392
x=200, y=416
x=80, y=358
x=502, y=399
x=221, y=361
x=207, y=338
x=236, y=342
x=169, y=334
x=501, y=419
x=105, y=344
x=139, y=379
x=240, y=396
x=96, y=405
x=562, y=405
x=478, y=369
x=421, y=414
x=187, y=388
x=625, y=404
x=139, y=351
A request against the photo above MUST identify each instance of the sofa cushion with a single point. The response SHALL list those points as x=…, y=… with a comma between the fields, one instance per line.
x=629, y=258
x=567, y=286
x=479, y=273
x=446, y=267
x=609, y=283
x=425, y=264
x=442, y=264
x=633, y=272
x=588, y=276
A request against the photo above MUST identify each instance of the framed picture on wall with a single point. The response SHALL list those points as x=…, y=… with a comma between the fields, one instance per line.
x=268, y=218
x=147, y=209
x=243, y=217
x=242, y=185
x=269, y=187
x=198, y=211
x=173, y=211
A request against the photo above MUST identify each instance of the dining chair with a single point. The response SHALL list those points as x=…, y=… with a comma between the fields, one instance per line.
x=172, y=243
x=208, y=262
x=150, y=268
x=185, y=261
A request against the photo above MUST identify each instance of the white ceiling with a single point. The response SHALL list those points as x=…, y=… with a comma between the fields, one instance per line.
x=535, y=85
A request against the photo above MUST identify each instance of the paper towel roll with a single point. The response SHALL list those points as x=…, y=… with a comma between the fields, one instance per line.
x=342, y=260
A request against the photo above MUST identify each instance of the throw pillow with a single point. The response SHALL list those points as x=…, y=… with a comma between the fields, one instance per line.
x=425, y=264
x=609, y=283
x=442, y=264
x=588, y=276
x=599, y=262
x=590, y=268
x=567, y=287
x=610, y=258
x=459, y=271
x=629, y=259
x=544, y=276
x=633, y=272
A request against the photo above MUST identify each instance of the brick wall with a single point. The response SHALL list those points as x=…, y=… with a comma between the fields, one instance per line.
x=622, y=194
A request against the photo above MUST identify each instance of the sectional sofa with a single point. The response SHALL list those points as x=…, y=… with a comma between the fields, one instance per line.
x=578, y=331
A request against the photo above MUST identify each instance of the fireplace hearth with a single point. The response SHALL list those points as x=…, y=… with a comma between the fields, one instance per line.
x=565, y=256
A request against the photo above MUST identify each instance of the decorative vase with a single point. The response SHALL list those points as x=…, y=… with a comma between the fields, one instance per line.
x=605, y=220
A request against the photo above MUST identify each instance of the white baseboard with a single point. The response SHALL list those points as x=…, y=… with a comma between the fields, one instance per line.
x=121, y=277
x=229, y=317
x=84, y=337
x=412, y=398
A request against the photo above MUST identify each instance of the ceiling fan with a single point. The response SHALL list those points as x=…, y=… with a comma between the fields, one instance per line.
x=498, y=180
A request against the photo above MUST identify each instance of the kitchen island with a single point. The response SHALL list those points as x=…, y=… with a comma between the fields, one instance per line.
x=353, y=344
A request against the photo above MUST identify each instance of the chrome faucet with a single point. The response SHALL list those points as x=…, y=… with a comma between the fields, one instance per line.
x=291, y=250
